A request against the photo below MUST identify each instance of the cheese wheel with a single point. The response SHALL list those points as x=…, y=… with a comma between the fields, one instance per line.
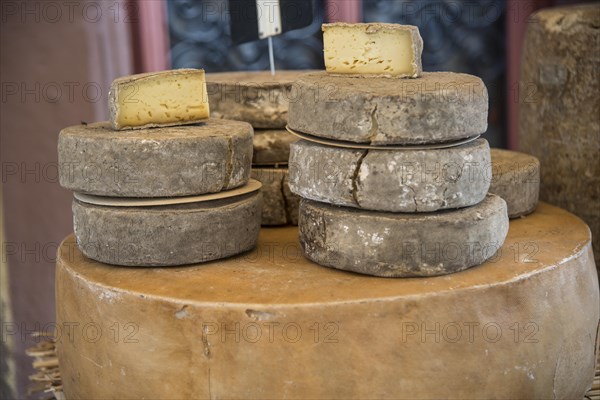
x=436, y=107
x=272, y=146
x=402, y=245
x=559, y=107
x=271, y=324
x=174, y=161
x=280, y=205
x=516, y=178
x=256, y=97
x=391, y=180
x=168, y=235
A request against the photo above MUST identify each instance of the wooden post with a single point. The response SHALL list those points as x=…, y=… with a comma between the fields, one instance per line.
x=344, y=10
x=151, y=36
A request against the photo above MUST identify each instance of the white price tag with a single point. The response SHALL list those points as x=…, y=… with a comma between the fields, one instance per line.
x=269, y=18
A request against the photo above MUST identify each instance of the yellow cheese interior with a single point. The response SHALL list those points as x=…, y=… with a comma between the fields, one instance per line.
x=163, y=99
x=358, y=50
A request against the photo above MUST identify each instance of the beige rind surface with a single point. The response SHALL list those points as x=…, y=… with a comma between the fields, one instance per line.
x=391, y=180
x=168, y=235
x=559, y=108
x=434, y=108
x=516, y=178
x=177, y=326
x=256, y=97
x=176, y=161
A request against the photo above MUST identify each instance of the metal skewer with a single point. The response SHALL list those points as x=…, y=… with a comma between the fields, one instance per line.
x=271, y=57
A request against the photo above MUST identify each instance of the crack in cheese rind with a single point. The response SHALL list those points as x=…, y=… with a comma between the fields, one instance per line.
x=373, y=49
x=158, y=99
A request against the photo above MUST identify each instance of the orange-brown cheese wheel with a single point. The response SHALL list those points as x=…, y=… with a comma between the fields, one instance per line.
x=271, y=324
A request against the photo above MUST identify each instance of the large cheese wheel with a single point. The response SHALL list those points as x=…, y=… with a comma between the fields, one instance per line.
x=559, y=108
x=256, y=97
x=155, y=162
x=168, y=235
x=391, y=180
x=433, y=108
x=271, y=324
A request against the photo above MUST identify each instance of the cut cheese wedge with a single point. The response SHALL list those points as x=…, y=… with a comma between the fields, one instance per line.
x=167, y=98
x=379, y=49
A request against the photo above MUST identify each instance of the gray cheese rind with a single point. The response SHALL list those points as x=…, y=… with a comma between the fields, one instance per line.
x=256, y=97
x=402, y=245
x=174, y=161
x=168, y=235
x=516, y=178
x=559, y=108
x=280, y=205
x=272, y=146
x=392, y=180
x=433, y=108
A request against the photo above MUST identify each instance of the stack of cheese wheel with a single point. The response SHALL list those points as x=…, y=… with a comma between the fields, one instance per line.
x=271, y=323
x=161, y=184
x=262, y=100
x=393, y=176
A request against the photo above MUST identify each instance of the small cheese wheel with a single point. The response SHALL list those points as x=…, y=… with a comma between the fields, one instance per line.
x=280, y=205
x=391, y=180
x=271, y=324
x=434, y=108
x=272, y=146
x=402, y=245
x=256, y=97
x=175, y=161
x=516, y=178
x=168, y=235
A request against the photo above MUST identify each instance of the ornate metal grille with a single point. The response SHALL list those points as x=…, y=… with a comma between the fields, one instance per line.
x=199, y=32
